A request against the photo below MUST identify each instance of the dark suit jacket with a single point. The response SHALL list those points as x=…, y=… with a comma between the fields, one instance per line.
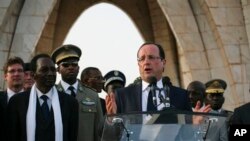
x=129, y=99
x=17, y=110
x=103, y=104
x=241, y=115
x=3, y=106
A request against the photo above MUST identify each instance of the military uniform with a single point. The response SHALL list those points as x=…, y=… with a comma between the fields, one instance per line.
x=217, y=87
x=90, y=112
x=214, y=90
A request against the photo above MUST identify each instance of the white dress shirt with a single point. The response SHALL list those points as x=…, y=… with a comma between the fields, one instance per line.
x=48, y=94
x=10, y=93
x=66, y=87
x=145, y=92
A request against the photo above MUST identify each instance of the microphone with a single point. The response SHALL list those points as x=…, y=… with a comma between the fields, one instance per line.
x=166, y=80
x=153, y=88
x=166, y=83
x=119, y=121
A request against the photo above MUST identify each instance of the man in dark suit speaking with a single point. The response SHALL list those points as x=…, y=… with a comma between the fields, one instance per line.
x=43, y=113
x=153, y=93
x=139, y=97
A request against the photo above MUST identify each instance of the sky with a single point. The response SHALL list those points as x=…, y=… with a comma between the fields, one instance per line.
x=108, y=39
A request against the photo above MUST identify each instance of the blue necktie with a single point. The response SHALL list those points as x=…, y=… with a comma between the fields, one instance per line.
x=151, y=106
x=45, y=107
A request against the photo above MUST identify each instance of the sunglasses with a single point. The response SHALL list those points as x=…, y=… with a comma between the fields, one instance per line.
x=67, y=64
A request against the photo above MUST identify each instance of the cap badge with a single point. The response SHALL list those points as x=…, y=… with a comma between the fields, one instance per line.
x=116, y=73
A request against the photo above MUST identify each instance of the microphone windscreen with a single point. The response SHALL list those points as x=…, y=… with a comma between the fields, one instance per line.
x=152, y=80
x=165, y=80
x=117, y=120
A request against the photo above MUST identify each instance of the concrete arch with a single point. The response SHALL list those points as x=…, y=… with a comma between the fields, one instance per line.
x=203, y=39
x=147, y=17
x=67, y=17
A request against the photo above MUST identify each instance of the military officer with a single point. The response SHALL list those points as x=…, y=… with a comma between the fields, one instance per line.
x=90, y=113
x=113, y=80
x=215, y=95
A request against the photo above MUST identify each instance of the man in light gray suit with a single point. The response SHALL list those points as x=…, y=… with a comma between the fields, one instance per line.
x=90, y=112
x=215, y=89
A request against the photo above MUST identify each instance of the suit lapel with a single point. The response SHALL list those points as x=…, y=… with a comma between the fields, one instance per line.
x=59, y=87
x=80, y=94
x=138, y=93
x=4, y=99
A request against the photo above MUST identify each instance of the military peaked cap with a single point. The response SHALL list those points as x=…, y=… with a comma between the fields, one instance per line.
x=66, y=51
x=216, y=86
x=114, y=75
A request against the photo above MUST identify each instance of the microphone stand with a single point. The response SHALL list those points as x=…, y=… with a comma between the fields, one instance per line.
x=120, y=121
x=210, y=120
x=205, y=136
x=153, y=89
x=165, y=100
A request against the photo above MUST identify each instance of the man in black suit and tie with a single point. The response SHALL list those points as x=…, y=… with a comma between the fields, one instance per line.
x=136, y=98
x=214, y=96
x=43, y=113
x=153, y=93
x=14, y=77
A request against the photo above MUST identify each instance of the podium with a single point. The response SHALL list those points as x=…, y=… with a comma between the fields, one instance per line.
x=168, y=125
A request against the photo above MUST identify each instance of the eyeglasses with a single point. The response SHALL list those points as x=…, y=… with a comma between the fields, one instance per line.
x=14, y=71
x=149, y=57
x=67, y=64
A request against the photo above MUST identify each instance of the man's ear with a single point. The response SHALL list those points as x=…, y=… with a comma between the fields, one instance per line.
x=34, y=76
x=5, y=75
x=163, y=64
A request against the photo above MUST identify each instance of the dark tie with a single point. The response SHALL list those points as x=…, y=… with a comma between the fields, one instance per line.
x=45, y=107
x=151, y=106
x=71, y=88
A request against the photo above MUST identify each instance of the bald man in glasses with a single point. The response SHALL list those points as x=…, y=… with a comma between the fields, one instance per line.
x=90, y=113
